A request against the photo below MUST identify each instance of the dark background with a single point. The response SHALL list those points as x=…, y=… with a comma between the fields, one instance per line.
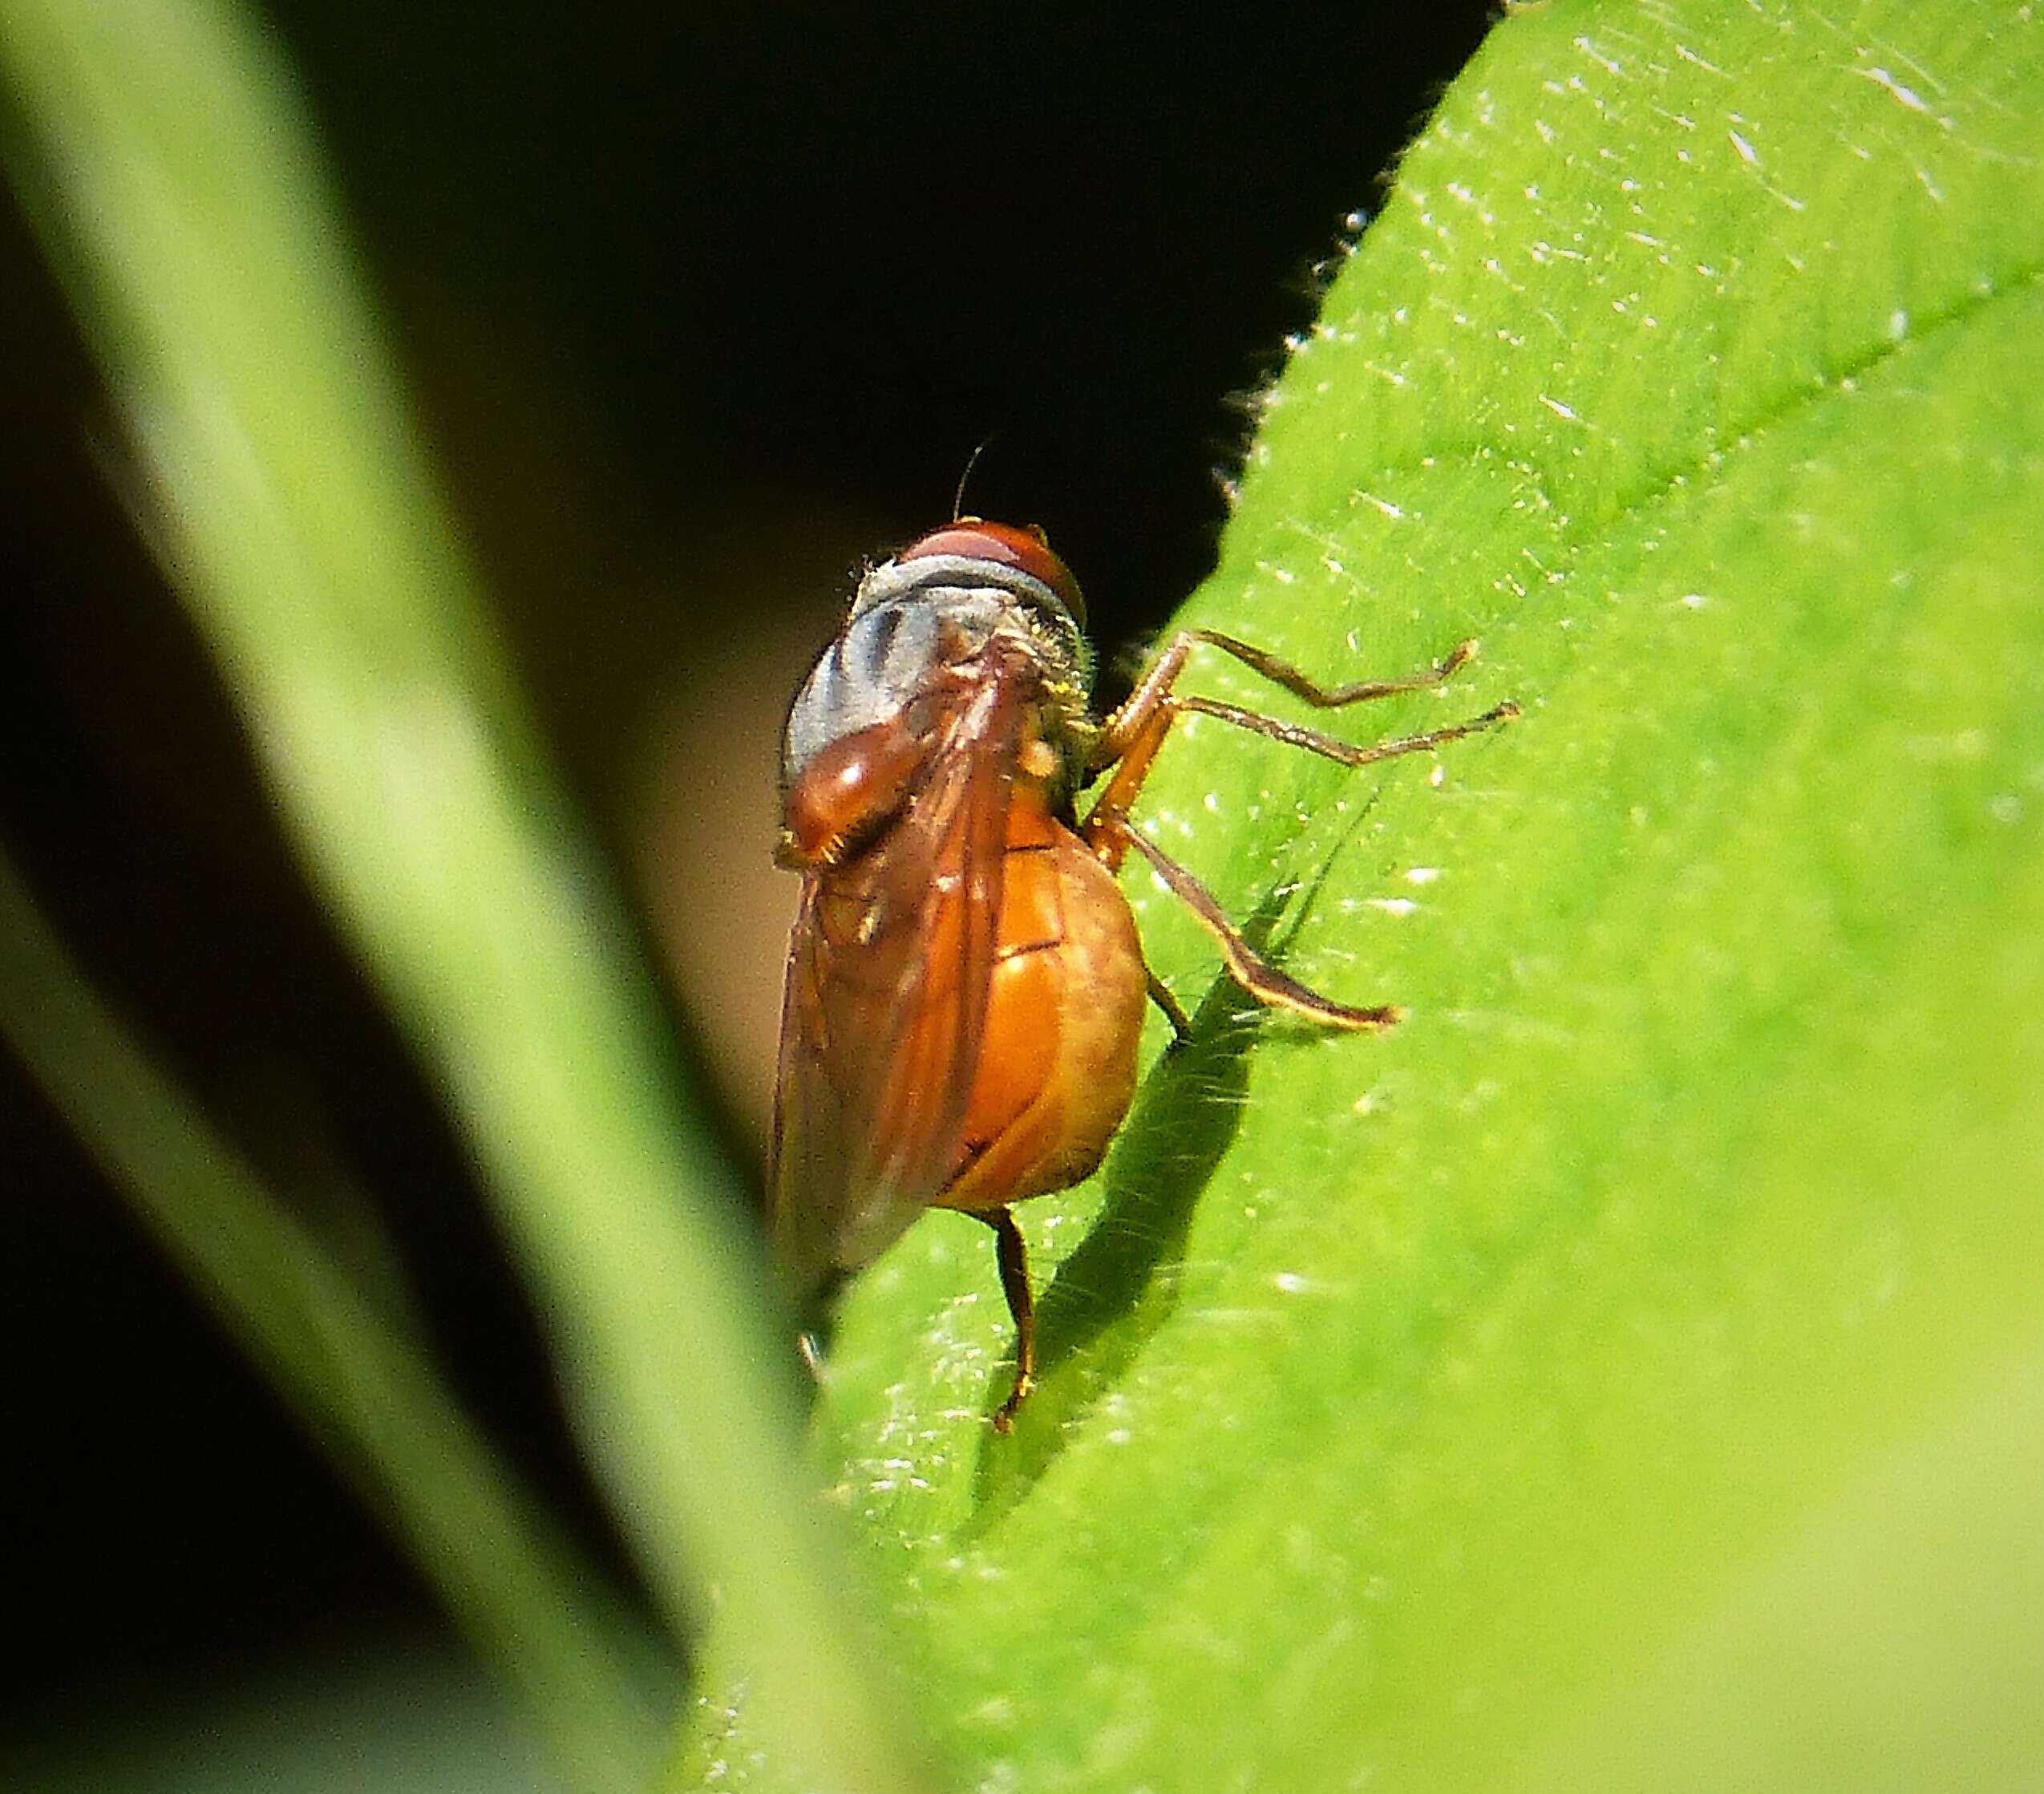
x=700, y=310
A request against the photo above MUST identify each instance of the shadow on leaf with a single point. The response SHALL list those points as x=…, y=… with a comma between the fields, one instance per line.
x=1122, y=1282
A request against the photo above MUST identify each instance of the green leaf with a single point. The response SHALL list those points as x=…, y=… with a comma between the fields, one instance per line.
x=537, y=1610
x=1630, y=1371
x=175, y=182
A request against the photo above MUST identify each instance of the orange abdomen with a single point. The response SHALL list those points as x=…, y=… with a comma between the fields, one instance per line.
x=1057, y=1065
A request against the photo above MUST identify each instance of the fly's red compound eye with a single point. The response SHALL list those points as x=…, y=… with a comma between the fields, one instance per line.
x=1027, y=550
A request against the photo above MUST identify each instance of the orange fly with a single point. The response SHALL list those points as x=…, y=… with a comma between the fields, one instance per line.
x=965, y=989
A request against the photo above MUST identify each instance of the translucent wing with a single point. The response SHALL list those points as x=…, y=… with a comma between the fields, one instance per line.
x=888, y=971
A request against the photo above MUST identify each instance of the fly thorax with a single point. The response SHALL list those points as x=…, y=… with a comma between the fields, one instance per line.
x=911, y=622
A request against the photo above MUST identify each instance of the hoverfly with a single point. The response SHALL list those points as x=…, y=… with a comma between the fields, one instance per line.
x=966, y=988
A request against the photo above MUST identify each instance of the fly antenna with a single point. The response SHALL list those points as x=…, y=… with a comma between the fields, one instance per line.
x=972, y=461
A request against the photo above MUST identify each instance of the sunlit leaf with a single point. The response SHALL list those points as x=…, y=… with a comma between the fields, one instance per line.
x=1631, y=1371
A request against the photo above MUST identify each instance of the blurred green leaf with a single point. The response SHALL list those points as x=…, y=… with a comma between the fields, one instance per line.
x=388, y=1716
x=1627, y=1373
x=171, y=174
x=363, y=1385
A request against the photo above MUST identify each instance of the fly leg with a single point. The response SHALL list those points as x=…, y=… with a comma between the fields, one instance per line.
x=1130, y=740
x=1129, y=744
x=1174, y=1010
x=1011, y=1252
x=1249, y=968
x=1154, y=689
